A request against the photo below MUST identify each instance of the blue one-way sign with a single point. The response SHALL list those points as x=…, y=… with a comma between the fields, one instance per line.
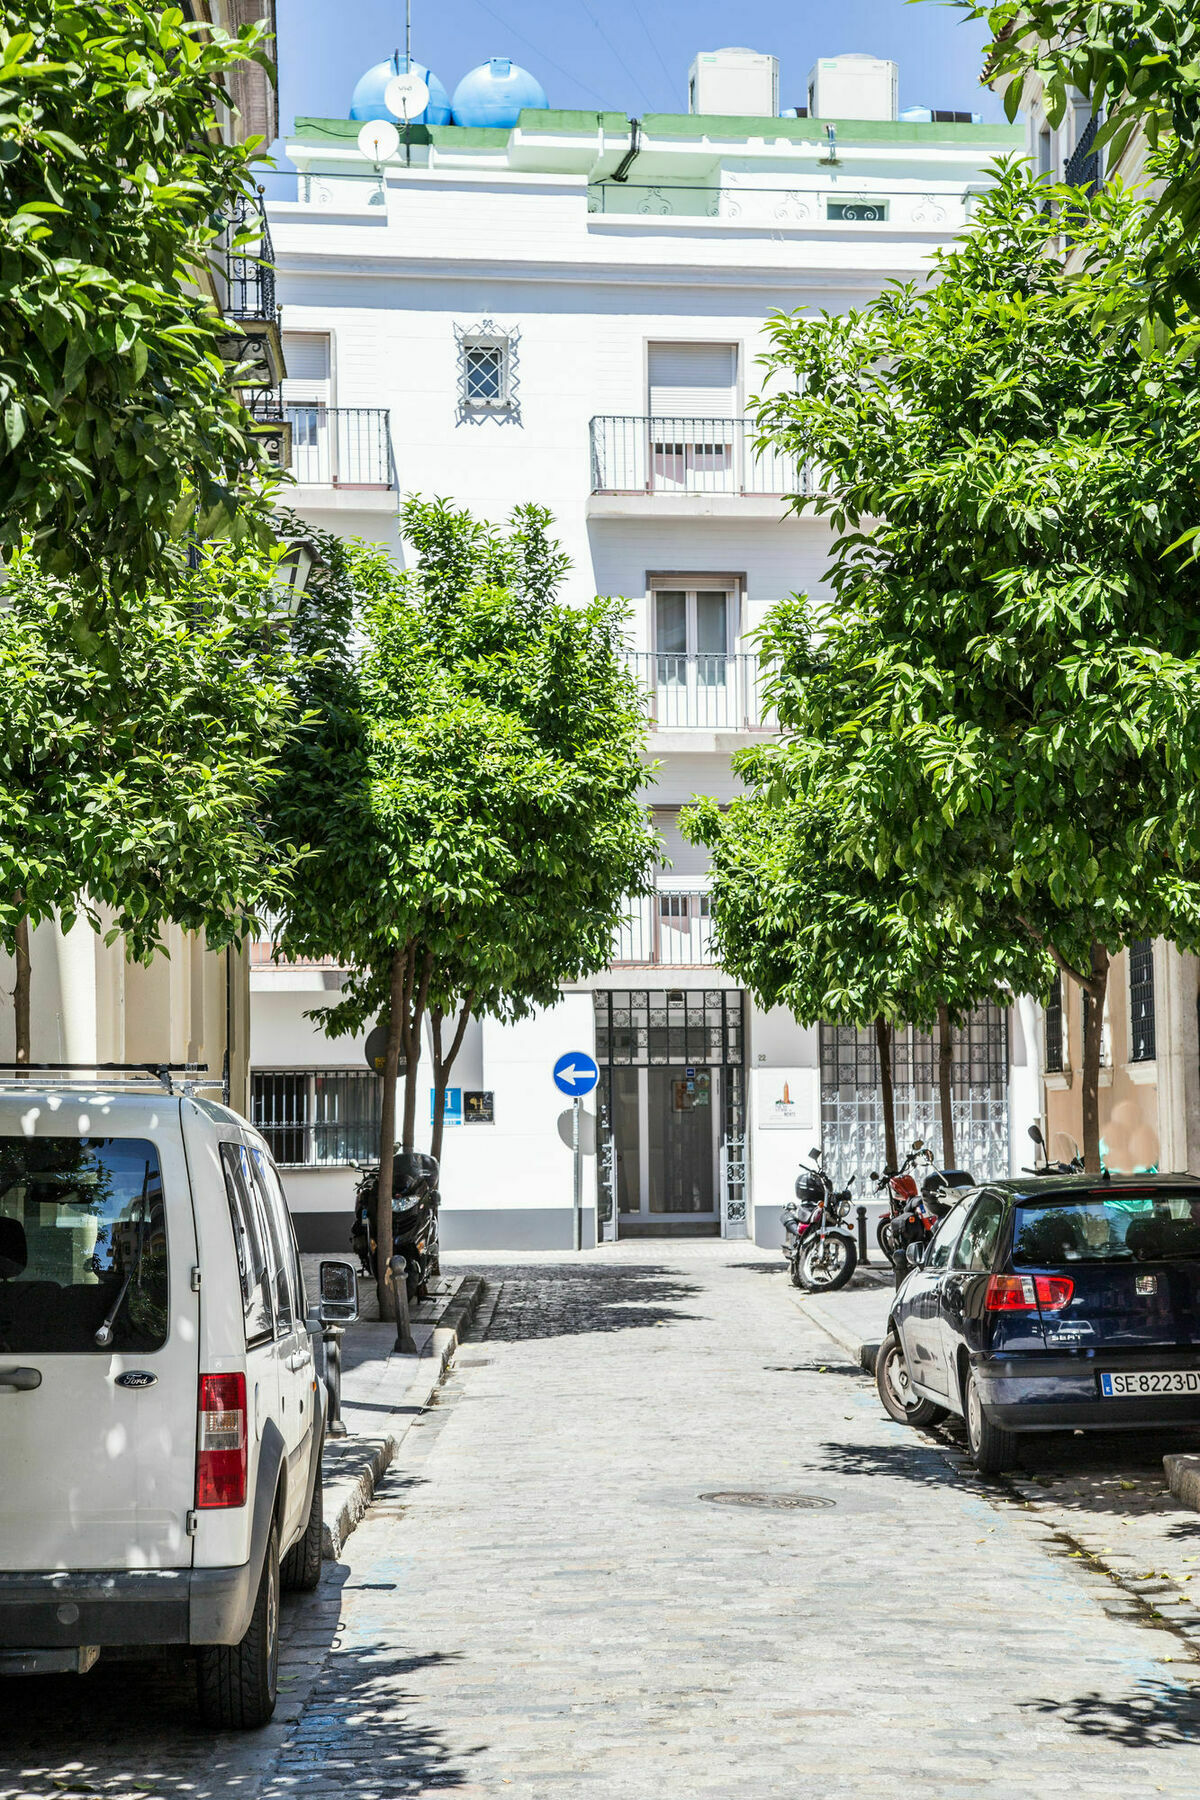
x=576, y=1073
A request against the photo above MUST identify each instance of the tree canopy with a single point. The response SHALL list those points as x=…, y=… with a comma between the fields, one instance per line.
x=119, y=427
x=1002, y=698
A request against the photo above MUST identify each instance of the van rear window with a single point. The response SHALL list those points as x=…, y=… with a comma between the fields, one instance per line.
x=1153, y=1225
x=83, y=1245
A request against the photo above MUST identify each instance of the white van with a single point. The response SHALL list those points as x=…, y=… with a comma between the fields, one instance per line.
x=161, y=1411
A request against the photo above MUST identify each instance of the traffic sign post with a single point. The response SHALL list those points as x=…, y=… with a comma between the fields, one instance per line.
x=577, y=1074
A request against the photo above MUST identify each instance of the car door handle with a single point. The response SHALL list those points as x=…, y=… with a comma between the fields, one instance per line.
x=20, y=1381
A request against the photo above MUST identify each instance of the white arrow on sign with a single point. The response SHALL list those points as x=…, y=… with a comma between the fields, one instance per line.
x=574, y=1075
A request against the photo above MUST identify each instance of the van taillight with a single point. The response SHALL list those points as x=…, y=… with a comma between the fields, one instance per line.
x=221, y=1462
x=1026, y=1293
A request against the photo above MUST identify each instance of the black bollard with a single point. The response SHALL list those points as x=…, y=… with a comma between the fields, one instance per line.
x=862, y=1233
x=331, y=1336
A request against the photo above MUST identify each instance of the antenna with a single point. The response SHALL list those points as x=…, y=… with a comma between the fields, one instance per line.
x=408, y=34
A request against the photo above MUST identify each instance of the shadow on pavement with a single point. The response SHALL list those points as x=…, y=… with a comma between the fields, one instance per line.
x=908, y=1459
x=1157, y=1715
x=549, y=1302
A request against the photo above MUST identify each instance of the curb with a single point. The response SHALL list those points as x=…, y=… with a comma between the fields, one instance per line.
x=1183, y=1479
x=352, y=1493
x=864, y=1353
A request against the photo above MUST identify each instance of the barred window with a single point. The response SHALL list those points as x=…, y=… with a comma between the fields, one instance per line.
x=1054, y=1027
x=485, y=374
x=318, y=1117
x=1141, y=999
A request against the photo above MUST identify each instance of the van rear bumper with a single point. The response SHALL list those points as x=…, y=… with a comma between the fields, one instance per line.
x=63, y=1610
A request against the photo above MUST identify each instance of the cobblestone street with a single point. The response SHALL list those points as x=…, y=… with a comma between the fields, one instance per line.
x=543, y=1603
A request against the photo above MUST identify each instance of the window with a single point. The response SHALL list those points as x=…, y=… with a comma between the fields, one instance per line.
x=1054, y=1028
x=83, y=1241
x=977, y=1245
x=269, y=1176
x=250, y=1244
x=278, y=1234
x=318, y=1117
x=946, y=1237
x=1141, y=1000
x=1045, y=153
x=487, y=380
x=693, y=624
x=856, y=212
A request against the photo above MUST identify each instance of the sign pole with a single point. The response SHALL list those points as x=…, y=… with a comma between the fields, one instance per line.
x=577, y=1147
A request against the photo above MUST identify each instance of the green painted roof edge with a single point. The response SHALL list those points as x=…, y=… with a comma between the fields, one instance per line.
x=536, y=119
x=861, y=131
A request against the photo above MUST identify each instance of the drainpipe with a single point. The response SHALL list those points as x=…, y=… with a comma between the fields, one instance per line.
x=621, y=172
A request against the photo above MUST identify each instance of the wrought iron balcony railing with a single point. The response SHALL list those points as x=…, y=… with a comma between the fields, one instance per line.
x=1083, y=165
x=670, y=928
x=638, y=454
x=702, y=693
x=249, y=264
x=342, y=446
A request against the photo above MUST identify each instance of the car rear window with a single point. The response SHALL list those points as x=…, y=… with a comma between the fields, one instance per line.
x=1118, y=1225
x=83, y=1245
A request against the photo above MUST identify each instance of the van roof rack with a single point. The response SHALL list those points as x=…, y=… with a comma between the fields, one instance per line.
x=127, y=1074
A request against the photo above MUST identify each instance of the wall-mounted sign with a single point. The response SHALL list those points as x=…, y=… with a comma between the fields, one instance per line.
x=785, y=1099
x=479, y=1108
x=452, y=1111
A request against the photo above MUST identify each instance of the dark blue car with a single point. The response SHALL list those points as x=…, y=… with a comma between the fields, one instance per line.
x=1051, y=1304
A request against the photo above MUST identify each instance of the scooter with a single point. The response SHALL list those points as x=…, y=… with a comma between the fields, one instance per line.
x=818, y=1240
x=1074, y=1167
x=415, y=1201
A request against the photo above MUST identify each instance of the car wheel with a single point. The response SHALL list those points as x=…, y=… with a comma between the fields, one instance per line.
x=900, y=1399
x=992, y=1448
x=300, y=1571
x=237, y=1684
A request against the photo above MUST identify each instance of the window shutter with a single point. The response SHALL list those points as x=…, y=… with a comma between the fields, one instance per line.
x=688, y=861
x=690, y=381
x=306, y=354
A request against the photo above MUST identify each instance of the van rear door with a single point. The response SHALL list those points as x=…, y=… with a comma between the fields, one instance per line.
x=98, y=1337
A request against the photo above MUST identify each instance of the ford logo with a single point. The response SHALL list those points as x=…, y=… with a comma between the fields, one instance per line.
x=136, y=1378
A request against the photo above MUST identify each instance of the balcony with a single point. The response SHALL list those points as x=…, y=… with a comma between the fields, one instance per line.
x=251, y=340
x=702, y=693
x=701, y=465
x=302, y=974
x=667, y=929
x=345, y=448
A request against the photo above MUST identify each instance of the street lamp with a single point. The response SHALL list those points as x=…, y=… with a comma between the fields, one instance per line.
x=292, y=572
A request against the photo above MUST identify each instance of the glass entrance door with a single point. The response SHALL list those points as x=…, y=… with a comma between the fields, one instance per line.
x=667, y=1148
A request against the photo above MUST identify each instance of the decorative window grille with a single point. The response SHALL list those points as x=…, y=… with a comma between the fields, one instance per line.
x=318, y=1118
x=856, y=212
x=674, y=1025
x=1141, y=999
x=1054, y=1028
x=487, y=372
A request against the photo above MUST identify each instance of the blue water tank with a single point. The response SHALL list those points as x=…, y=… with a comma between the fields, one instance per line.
x=496, y=93
x=368, y=103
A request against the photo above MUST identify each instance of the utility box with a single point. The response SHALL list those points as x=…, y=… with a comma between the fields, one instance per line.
x=744, y=83
x=853, y=87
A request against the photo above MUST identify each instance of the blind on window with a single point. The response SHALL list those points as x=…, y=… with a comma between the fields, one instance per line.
x=306, y=354
x=689, y=381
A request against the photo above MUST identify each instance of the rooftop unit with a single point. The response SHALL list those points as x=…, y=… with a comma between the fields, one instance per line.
x=741, y=83
x=853, y=87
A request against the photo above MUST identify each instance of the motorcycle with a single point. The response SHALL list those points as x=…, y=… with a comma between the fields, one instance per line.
x=910, y=1205
x=898, y=1188
x=818, y=1240
x=415, y=1201
x=1074, y=1167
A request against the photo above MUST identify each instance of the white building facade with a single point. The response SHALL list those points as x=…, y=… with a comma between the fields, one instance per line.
x=571, y=311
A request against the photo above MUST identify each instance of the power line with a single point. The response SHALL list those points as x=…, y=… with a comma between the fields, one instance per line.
x=640, y=15
x=605, y=39
x=530, y=45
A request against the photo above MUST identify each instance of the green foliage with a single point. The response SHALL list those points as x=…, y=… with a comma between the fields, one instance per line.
x=133, y=784
x=1138, y=62
x=119, y=429
x=468, y=783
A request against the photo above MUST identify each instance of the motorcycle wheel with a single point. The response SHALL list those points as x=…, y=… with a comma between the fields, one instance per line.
x=883, y=1235
x=794, y=1270
x=827, y=1264
x=900, y=1399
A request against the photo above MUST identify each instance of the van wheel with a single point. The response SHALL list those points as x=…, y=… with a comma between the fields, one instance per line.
x=237, y=1683
x=992, y=1448
x=900, y=1398
x=300, y=1570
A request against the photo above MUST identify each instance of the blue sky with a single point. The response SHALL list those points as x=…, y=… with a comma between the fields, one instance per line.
x=620, y=55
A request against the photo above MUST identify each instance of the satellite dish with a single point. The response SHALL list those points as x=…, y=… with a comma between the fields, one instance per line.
x=406, y=96
x=378, y=140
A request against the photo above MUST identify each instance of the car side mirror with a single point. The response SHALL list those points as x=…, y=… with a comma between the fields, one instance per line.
x=914, y=1255
x=339, y=1293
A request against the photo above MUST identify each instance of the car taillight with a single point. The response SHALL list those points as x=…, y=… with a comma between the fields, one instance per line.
x=1026, y=1293
x=221, y=1461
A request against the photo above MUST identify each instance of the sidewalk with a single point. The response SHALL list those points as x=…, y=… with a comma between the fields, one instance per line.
x=383, y=1392
x=855, y=1317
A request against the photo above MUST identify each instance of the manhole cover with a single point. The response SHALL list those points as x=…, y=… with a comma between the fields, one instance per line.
x=779, y=1502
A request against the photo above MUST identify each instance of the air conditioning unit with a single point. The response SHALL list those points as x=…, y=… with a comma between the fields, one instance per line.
x=853, y=87
x=744, y=83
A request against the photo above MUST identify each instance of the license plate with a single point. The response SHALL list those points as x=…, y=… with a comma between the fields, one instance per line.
x=1150, y=1381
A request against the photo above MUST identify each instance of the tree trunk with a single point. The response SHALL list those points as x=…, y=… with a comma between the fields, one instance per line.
x=442, y=1066
x=387, y=1137
x=946, y=1084
x=416, y=990
x=1096, y=989
x=21, y=990
x=883, y=1043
